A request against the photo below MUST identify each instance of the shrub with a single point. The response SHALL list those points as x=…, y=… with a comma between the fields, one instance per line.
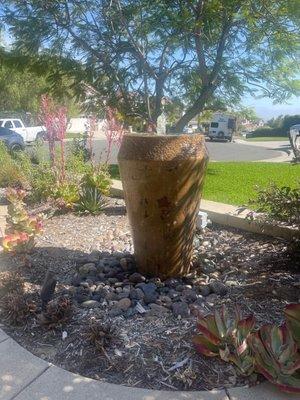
x=38, y=153
x=266, y=131
x=11, y=175
x=279, y=203
x=79, y=148
x=66, y=195
x=98, y=178
x=10, y=172
x=4, y=154
x=42, y=183
x=76, y=161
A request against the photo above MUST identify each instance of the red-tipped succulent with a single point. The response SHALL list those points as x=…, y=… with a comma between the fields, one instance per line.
x=276, y=356
x=17, y=242
x=21, y=227
x=222, y=336
x=271, y=351
x=292, y=317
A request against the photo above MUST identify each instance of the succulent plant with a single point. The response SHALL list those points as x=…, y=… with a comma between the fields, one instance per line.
x=17, y=242
x=292, y=317
x=58, y=311
x=277, y=357
x=91, y=201
x=227, y=338
x=100, y=335
x=16, y=308
x=21, y=227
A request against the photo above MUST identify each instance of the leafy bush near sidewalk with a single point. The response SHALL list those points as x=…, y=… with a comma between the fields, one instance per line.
x=279, y=203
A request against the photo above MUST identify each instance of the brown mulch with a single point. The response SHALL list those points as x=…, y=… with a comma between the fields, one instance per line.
x=150, y=351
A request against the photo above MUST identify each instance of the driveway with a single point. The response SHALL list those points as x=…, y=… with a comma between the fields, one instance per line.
x=224, y=151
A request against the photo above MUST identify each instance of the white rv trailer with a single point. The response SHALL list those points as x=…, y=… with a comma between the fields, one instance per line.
x=222, y=127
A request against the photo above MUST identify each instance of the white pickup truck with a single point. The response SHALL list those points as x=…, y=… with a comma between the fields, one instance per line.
x=29, y=133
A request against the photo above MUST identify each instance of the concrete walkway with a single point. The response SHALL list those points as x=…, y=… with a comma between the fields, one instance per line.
x=26, y=377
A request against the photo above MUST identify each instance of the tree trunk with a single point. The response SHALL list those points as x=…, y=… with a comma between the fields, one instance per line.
x=159, y=92
x=196, y=108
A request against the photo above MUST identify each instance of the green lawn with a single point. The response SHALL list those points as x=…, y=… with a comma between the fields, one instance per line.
x=267, y=139
x=234, y=182
x=76, y=135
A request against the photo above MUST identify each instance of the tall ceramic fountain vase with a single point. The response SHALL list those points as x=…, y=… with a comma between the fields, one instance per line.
x=162, y=179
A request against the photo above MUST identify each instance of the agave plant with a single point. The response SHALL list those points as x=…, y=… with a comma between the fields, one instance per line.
x=91, y=201
x=277, y=357
x=227, y=338
x=292, y=316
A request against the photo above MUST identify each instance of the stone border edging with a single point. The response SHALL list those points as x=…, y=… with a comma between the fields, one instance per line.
x=228, y=215
x=24, y=376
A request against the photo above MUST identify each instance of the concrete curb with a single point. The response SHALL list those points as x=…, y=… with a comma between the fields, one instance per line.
x=24, y=376
x=228, y=215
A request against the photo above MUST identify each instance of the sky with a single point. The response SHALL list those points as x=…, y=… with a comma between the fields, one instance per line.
x=265, y=108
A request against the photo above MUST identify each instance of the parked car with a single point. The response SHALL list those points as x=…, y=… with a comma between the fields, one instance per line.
x=188, y=130
x=29, y=133
x=294, y=137
x=13, y=140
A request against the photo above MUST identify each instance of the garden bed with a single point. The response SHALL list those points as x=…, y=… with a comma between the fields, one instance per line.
x=154, y=321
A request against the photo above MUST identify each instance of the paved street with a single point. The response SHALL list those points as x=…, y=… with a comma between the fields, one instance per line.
x=219, y=151
x=223, y=151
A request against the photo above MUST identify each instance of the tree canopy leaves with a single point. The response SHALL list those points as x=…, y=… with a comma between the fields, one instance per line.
x=135, y=53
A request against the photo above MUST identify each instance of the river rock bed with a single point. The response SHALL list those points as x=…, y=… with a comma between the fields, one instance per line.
x=154, y=321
